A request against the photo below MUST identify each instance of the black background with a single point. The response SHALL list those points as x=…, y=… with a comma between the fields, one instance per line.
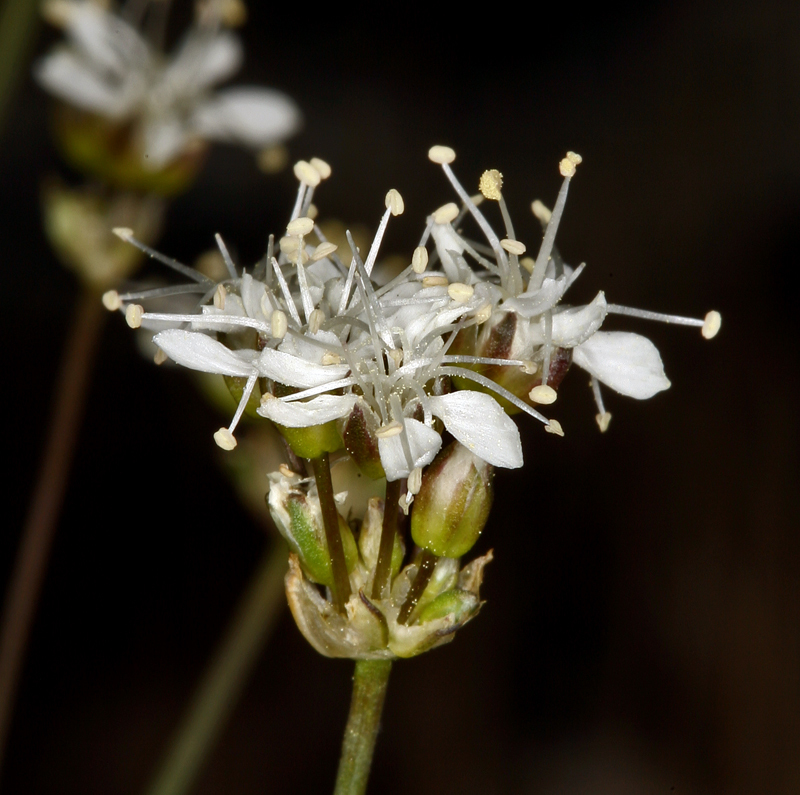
x=641, y=631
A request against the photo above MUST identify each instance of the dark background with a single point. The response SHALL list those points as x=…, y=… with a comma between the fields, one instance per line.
x=642, y=625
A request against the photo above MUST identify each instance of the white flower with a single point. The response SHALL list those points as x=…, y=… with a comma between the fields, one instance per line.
x=108, y=68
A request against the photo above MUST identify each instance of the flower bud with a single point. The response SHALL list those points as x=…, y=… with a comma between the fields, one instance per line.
x=453, y=504
x=296, y=510
x=314, y=441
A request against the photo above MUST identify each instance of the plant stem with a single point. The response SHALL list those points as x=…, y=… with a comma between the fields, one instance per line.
x=358, y=744
x=30, y=565
x=225, y=676
x=340, y=589
x=383, y=567
x=427, y=563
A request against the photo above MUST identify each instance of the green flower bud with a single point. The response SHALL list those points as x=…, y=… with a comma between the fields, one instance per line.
x=453, y=504
x=298, y=516
x=314, y=441
x=459, y=604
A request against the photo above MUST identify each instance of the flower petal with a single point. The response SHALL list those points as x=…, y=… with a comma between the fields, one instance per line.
x=253, y=116
x=294, y=371
x=628, y=363
x=201, y=352
x=481, y=425
x=423, y=441
x=575, y=325
x=305, y=414
x=201, y=62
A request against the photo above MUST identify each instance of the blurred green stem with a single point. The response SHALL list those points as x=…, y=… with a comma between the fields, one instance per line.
x=369, y=691
x=225, y=677
x=30, y=565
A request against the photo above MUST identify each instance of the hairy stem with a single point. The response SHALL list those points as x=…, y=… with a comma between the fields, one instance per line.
x=358, y=744
x=340, y=590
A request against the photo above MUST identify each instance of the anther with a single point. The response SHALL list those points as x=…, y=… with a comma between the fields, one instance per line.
x=529, y=368
x=394, y=202
x=441, y=154
x=543, y=394
x=483, y=314
x=460, y=292
x=287, y=471
x=513, y=246
x=711, y=324
x=321, y=167
x=299, y=227
x=111, y=300
x=542, y=212
x=397, y=356
x=446, y=213
x=219, y=297
x=224, y=438
x=315, y=320
x=307, y=174
x=323, y=250
x=419, y=259
x=491, y=184
x=159, y=357
x=133, y=315
x=123, y=233
x=434, y=281
x=415, y=480
x=603, y=420
x=394, y=428
x=554, y=426
x=528, y=263
x=329, y=357
x=568, y=165
x=278, y=324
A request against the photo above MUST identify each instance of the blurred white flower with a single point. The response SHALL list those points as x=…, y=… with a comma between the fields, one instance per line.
x=109, y=68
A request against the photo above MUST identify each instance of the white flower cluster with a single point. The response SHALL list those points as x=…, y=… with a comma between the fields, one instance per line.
x=110, y=69
x=313, y=338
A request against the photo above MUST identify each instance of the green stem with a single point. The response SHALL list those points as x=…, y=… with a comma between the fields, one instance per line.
x=369, y=691
x=391, y=510
x=226, y=675
x=427, y=563
x=340, y=589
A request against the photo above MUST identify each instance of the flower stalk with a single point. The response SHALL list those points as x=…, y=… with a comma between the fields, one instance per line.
x=358, y=744
x=427, y=563
x=391, y=512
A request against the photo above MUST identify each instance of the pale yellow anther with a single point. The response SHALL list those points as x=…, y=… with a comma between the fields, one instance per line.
x=394, y=202
x=513, y=246
x=123, y=232
x=289, y=245
x=543, y=394
x=266, y=397
x=446, y=213
x=529, y=368
x=483, y=314
x=278, y=324
x=329, y=357
x=321, y=167
x=312, y=212
x=397, y=356
x=603, y=420
x=159, y=357
x=306, y=173
x=528, y=263
x=300, y=227
x=133, y=315
x=441, y=154
x=568, y=164
x=315, y=321
x=554, y=426
x=323, y=250
x=713, y=321
x=419, y=259
x=434, y=281
x=542, y=212
x=111, y=300
x=224, y=438
x=299, y=257
x=414, y=483
x=491, y=184
x=393, y=428
x=460, y=292
x=219, y=297
x=287, y=471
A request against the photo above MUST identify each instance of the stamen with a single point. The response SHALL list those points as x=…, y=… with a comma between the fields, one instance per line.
x=224, y=439
x=219, y=297
x=441, y=154
x=419, y=259
x=434, y=281
x=394, y=428
x=227, y=257
x=554, y=426
x=543, y=394
x=224, y=436
x=300, y=227
x=159, y=357
x=323, y=250
x=491, y=184
x=394, y=202
x=321, y=167
x=709, y=325
x=127, y=235
x=287, y=296
x=112, y=301
x=133, y=315
x=460, y=292
x=307, y=174
x=513, y=247
x=446, y=213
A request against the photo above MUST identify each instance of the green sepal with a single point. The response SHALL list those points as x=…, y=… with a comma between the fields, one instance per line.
x=236, y=385
x=312, y=442
x=456, y=603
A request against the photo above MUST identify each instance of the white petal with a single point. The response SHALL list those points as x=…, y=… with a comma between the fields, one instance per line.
x=575, y=325
x=201, y=62
x=449, y=245
x=253, y=116
x=628, y=363
x=316, y=411
x=294, y=371
x=201, y=352
x=478, y=422
x=529, y=305
x=423, y=441
x=164, y=138
x=70, y=78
